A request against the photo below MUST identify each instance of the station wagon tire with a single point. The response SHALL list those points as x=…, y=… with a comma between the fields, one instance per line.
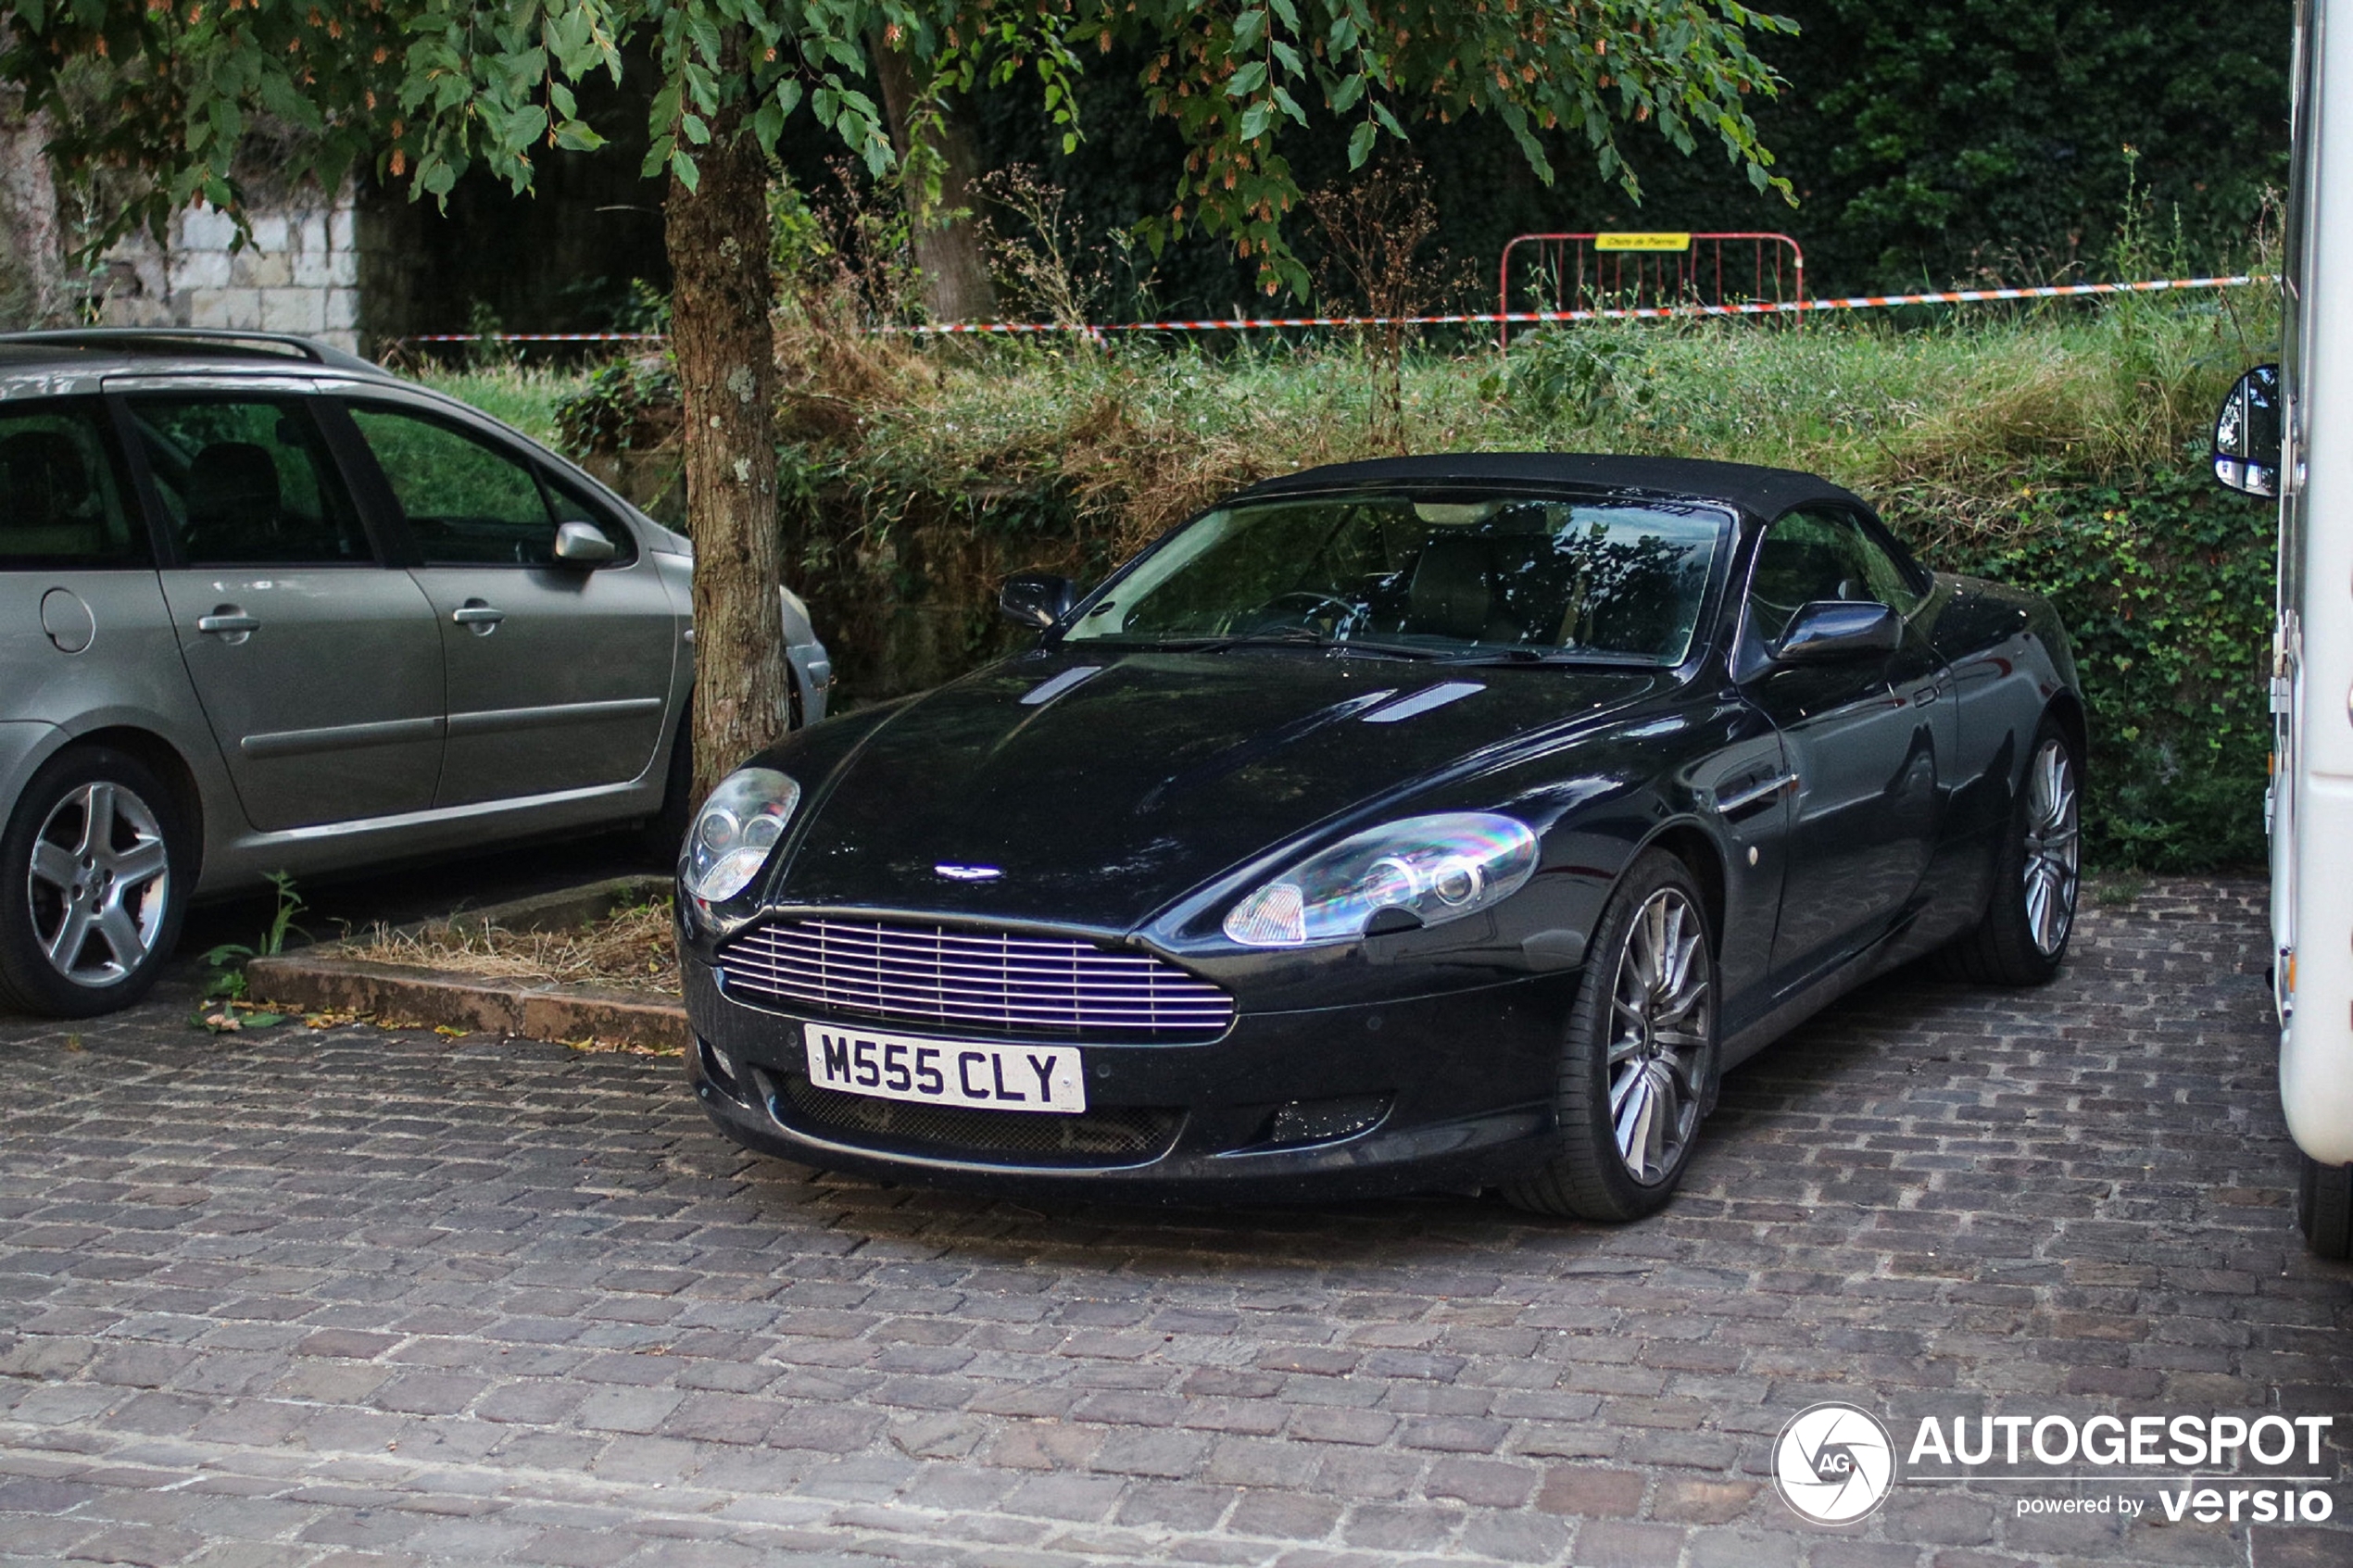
x=2037, y=874
x=1638, y=1056
x=2324, y=1206
x=95, y=872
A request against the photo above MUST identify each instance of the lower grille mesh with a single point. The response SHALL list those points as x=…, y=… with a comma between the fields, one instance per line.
x=1113, y=1136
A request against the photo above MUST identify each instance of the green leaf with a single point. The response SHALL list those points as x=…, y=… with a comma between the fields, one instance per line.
x=1247, y=79
x=684, y=169
x=1254, y=120
x=1360, y=145
x=1248, y=27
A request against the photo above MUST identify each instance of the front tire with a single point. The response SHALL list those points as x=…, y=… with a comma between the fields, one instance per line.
x=2324, y=1206
x=2031, y=916
x=1638, y=1057
x=94, y=873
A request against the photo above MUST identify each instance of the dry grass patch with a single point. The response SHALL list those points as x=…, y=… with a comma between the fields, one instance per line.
x=634, y=949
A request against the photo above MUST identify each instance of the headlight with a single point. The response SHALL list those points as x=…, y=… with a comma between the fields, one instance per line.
x=1435, y=869
x=741, y=822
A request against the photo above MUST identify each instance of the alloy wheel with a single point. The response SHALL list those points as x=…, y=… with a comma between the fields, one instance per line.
x=2054, y=847
x=1659, y=1036
x=100, y=884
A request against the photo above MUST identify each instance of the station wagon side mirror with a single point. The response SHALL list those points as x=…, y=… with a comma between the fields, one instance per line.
x=1829, y=630
x=1036, y=599
x=582, y=543
x=2246, y=434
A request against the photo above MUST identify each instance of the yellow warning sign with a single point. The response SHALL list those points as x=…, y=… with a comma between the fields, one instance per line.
x=1643, y=242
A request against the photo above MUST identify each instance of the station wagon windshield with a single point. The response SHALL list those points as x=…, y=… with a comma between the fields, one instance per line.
x=1463, y=576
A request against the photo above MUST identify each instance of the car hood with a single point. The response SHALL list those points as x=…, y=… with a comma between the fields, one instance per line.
x=1095, y=790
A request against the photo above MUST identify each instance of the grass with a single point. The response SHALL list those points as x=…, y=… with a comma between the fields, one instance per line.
x=1939, y=425
x=522, y=395
x=634, y=949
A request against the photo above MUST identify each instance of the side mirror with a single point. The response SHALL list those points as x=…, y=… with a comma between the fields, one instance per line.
x=2246, y=434
x=1828, y=629
x=1036, y=599
x=582, y=543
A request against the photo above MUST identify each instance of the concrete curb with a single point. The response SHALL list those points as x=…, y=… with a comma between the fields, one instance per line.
x=325, y=978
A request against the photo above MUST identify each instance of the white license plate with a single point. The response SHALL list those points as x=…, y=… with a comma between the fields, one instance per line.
x=859, y=1062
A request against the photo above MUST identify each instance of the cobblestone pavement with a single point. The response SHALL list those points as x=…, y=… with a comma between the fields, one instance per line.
x=362, y=1297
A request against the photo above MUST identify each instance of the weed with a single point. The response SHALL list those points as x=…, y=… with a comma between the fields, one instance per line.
x=226, y=998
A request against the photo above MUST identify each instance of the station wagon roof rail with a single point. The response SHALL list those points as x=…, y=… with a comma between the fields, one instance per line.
x=196, y=343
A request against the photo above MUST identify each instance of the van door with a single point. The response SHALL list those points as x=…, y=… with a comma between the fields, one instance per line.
x=319, y=666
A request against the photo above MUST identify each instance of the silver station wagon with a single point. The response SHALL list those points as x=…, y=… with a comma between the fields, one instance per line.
x=265, y=607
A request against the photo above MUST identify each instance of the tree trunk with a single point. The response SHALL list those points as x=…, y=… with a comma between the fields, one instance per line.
x=719, y=334
x=948, y=250
x=37, y=296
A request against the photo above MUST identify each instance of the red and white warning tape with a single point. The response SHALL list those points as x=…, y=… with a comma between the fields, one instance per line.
x=535, y=337
x=1469, y=318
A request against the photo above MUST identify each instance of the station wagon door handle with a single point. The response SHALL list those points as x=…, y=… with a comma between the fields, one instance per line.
x=229, y=621
x=482, y=618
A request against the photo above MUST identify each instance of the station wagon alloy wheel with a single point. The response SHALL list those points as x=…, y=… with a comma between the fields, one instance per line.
x=95, y=872
x=99, y=884
x=2053, y=848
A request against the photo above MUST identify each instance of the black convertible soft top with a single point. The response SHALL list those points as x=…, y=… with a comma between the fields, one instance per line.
x=1766, y=493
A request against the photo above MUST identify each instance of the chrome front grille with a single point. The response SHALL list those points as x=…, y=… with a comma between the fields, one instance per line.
x=994, y=981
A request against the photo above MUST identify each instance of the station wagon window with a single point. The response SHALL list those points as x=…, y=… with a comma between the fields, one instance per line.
x=61, y=503
x=1810, y=556
x=467, y=502
x=248, y=481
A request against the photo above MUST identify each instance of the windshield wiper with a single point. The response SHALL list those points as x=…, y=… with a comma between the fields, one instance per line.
x=1538, y=656
x=1287, y=636
x=1290, y=637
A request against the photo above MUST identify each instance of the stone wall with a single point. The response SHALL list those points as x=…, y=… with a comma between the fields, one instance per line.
x=299, y=271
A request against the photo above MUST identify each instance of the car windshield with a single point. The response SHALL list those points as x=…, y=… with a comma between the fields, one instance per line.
x=1463, y=576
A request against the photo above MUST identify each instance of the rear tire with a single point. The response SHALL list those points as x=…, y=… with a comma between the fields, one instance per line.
x=1637, y=1057
x=96, y=867
x=2022, y=938
x=2324, y=1206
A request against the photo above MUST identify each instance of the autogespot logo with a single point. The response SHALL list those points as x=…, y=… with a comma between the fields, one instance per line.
x=1833, y=1463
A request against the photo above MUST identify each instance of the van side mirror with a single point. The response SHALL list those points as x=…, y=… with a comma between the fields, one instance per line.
x=1036, y=599
x=2246, y=434
x=582, y=543
x=1829, y=630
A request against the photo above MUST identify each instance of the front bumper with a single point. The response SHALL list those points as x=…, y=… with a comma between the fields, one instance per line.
x=1459, y=1089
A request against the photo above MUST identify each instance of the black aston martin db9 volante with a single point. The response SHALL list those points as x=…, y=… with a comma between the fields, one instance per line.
x=1432, y=823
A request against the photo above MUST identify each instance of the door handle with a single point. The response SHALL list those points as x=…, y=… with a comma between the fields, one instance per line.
x=480, y=617
x=1754, y=794
x=229, y=621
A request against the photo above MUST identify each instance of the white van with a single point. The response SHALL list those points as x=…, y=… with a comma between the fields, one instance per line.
x=2265, y=445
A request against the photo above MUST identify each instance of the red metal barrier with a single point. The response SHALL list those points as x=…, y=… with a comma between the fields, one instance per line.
x=1655, y=275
